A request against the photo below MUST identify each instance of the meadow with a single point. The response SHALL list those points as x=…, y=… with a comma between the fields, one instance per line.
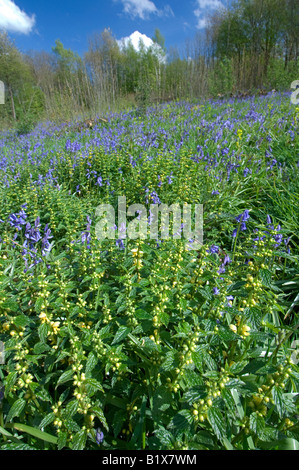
x=149, y=344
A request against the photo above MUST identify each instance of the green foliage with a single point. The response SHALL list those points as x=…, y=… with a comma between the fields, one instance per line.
x=157, y=347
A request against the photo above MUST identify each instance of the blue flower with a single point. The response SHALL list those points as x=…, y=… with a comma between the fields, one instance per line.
x=243, y=217
x=99, y=436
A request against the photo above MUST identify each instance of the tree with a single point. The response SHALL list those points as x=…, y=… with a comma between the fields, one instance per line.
x=23, y=96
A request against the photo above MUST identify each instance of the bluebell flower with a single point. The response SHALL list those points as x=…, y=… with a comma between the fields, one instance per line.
x=99, y=436
x=214, y=249
x=120, y=244
x=226, y=260
x=243, y=217
x=216, y=291
x=169, y=178
x=155, y=198
x=99, y=181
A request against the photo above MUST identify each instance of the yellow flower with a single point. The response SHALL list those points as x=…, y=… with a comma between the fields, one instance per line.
x=245, y=330
x=233, y=328
x=43, y=317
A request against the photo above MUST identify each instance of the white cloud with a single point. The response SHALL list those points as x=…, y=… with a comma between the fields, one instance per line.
x=135, y=39
x=13, y=19
x=212, y=4
x=144, y=8
x=204, y=7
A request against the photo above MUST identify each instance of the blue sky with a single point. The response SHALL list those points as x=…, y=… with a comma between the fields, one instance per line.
x=36, y=24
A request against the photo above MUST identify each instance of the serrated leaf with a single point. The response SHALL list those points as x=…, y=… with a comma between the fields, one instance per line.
x=161, y=402
x=91, y=362
x=62, y=440
x=195, y=394
x=21, y=321
x=277, y=395
x=16, y=446
x=94, y=384
x=118, y=420
x=182, y=421
x=229, y=400
x=253, y=316
x=43, y=332
x=266, y=277
x=227, y=335
x=121, y=334
x=71, y=408
x=47, y=420
x=10, y=380
x=257, y=424
x=11, y=305
x=165, y=437
x=217, y=422
x=79, y=440
x=169, y=362
x=16, y=409
x=65, y=377
x=100, y=415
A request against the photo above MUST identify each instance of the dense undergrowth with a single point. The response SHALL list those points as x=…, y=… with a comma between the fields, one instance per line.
x=148, y=344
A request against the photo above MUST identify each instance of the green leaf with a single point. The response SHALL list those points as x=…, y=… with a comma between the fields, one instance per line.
x=119, y=418
x=35, y=432
x=195, y=394
x=182, y=421
x=65, y=377
x=253, y=316
x=169, y=362
x=238, y=403
x=91, y=362
x=10, y=380
x=16, y=409
x=47, y=420
x=43, y=332
x=121, y=334
x=93, y=383
x=62, y=440
x=266, y=277
x=100, y=415
x=4, y=432
x=217, y=422
x=229, y=400
x=277, y=395
x=79, y=440
x=161, y=402
x=16, y=446
x=71, y=408
x=257, y=424
x=10, y=305
x=21, y=321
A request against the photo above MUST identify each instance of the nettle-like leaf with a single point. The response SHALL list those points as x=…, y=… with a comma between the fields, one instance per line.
x=217, y=422
x=16, y=409
x=79, y=440
x=182, y=421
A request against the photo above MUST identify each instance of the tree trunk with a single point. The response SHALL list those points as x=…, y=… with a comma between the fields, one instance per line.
x=13, y=109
